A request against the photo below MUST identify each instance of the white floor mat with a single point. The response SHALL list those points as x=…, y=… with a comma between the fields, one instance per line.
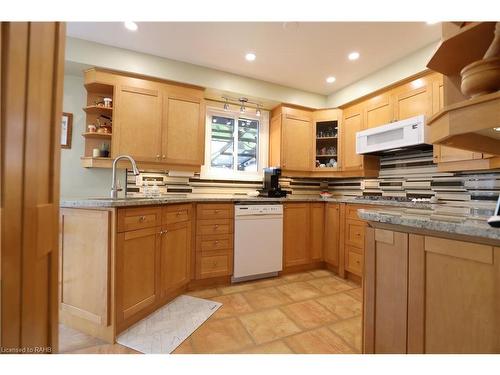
x=166, y=328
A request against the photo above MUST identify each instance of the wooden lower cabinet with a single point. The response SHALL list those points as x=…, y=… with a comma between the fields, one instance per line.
x=137, y=271
x=214, y=240
x=175, y=257
x=317, y=231
x=296, y=224
x=332, y=234
x=427, y=294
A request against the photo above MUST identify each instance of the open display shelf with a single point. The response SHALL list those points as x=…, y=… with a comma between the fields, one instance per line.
x=97, y=113
x=463, y=123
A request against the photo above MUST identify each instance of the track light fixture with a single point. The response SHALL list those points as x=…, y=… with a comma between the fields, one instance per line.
x=243, y=102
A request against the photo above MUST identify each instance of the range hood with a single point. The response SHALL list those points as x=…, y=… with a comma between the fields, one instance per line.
x=395, y=136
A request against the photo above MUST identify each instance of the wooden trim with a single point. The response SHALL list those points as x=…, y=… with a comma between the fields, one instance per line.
x=416, y=299
x=138, y=306
x=369, y=296
x=459, y=249
x=81, y=313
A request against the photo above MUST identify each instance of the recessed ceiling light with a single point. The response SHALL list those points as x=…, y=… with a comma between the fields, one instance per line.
x=496, y=129
x=132, y=26
x=330, y=79
x=250, y=56
x=353, y=56
x=431, y=22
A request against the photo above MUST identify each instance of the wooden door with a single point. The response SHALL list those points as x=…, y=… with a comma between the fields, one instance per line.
x=137, y=123
x=317, y=230
x=296, y=234
x=453, y=295
x=385, y=295
x=137, y=271
x=332, y=234
x=353, y=123
x=175, y=256
x=297, y=143
x=183, y=135
x=32, y=68
x=379, y=110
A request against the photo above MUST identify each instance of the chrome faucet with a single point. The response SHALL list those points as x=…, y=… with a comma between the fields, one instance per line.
x=114, y=186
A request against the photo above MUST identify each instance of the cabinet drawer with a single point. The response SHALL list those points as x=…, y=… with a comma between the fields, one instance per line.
x=222, y=226
x=214, y=211
x=138, y=218
x=355, y=233
x=354, y=262
x=176, y=214
x=214, y=242
x=214, y=265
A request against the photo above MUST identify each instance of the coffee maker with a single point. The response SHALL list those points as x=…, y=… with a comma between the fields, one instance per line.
x=272, y=188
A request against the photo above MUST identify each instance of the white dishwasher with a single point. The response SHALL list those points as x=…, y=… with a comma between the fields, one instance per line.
x=258, y=241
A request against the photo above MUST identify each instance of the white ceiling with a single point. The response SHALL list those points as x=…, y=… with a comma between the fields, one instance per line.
x=297, y=54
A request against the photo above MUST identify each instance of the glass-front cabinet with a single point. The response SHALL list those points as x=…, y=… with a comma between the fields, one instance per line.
x=326, y=145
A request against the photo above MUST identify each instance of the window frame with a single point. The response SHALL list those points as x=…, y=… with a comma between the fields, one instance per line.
x=208, y=172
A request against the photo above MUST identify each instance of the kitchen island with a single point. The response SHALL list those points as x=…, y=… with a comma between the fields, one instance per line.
x=431, y=282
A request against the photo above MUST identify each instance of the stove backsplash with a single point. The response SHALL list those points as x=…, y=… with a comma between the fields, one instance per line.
x=405, y=175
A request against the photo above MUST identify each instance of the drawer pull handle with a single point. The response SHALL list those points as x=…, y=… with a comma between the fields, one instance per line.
x=216, y=242
x=179, y=213
x=358, y=234
x=216, y=211
x=142, y=218
x=216, y=226
x=162, y=232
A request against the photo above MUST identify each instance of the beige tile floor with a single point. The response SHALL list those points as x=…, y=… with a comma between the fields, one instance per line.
x=311, y=312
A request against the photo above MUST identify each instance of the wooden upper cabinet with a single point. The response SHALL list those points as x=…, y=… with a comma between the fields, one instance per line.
x=295, y=234
x=379, y=110
x=291, y=139
x=332, y=234
x=183, y=131
x=353, y=123
x=297, y=141
x=443, y=154
x=413, y=98
x=137, y=123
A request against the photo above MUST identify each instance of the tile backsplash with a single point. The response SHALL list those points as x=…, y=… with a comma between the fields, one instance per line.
x=405, y=175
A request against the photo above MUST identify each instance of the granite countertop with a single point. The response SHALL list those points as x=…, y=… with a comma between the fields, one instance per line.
x=438, y=218
x=138, y=201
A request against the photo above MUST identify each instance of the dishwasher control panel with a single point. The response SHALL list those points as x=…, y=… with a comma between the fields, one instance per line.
x=258, y=209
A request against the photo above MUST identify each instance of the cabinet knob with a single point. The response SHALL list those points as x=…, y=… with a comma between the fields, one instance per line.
x=163, y=156
x=216, y=242
x=158, y=156
x=142, y=218
x=216, y=226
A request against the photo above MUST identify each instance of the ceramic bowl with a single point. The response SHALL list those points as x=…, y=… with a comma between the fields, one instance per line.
x=481, y=77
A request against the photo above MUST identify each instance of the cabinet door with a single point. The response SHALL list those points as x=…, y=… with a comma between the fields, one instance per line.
x=137, y=123
x=183, y=135
x=175, y=256
x=296, y=234
x=353, y=122
x=386, y=292
x=332, y=234
x=297, y=143
x=413, y=98
x=379, y=110
x=453, y=295
x=137, y=260
x=317, y=211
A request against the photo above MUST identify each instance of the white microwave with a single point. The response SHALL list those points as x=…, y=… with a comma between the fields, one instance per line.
x=404, y=134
